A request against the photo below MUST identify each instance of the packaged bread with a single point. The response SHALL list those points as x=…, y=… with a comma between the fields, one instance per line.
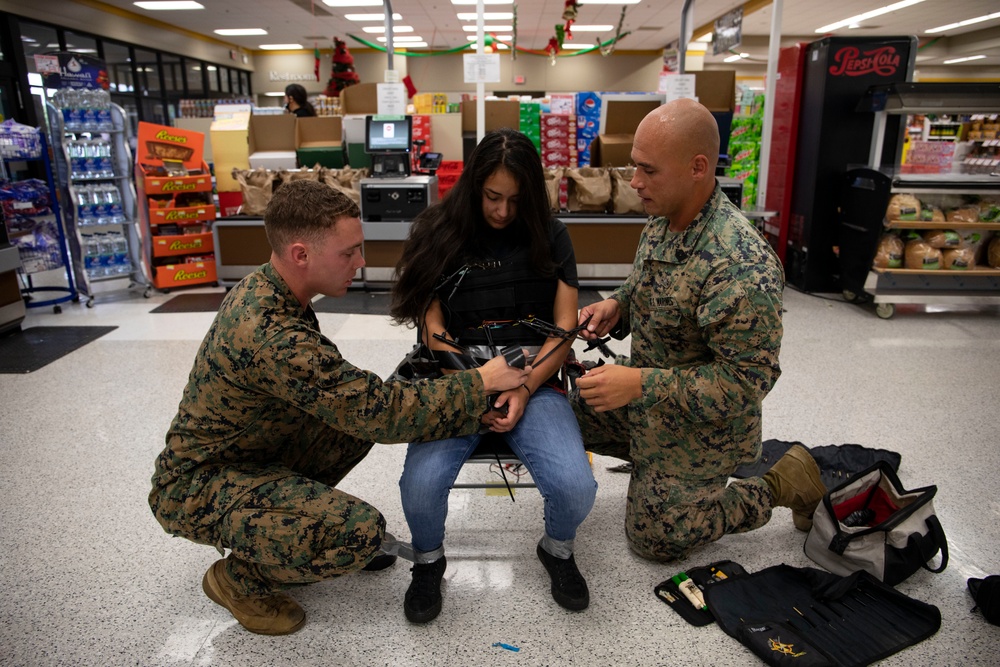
x=931, y=213
x=967, y=213
x=958, y=259
x=943, y=238
x=989, y=210
x=993, y=253
x=903, y=207
x=890, y=252
x=920, y=255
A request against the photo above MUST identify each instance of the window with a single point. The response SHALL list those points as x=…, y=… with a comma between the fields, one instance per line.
x=35, y=40
x=83, y=44
x=195, y=71
x=147, y=73
x=118, y=58
x=173, y=74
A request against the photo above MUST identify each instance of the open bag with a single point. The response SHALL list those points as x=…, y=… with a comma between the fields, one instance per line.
x=871, y=523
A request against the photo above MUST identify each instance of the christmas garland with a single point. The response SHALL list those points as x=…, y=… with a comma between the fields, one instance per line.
x=490, y=39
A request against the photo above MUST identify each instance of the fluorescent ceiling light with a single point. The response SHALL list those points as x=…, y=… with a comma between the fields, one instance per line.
x=408, y=45
x=82, y=50
x=233, y=32
x=274, y=94
x=371, y=17
x=398, y=40
x=868, y=15
x=487, y=16
x=487, y=28
x=496, y=47
x=592, y=28
x=609, y=2
x=169, y=4
x=578, y=45
x=960, y=24
x=353, y=3
x=280, y=47
x=963, y=60
x=736, y=56
x=505, y=38
x=34, y=79
x=485, y=2
x=380, y=29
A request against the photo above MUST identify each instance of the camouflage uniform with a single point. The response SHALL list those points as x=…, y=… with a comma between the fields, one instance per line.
x=704, y=310
x=272, y=418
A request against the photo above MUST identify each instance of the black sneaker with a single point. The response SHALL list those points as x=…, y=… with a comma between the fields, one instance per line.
x=380, y=562
x=569, y=588
x=423, y=598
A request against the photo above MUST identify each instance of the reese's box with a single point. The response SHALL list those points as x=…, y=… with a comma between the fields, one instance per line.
x=171, y=160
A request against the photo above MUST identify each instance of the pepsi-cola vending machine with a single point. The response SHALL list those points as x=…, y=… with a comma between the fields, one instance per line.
x=834, y=137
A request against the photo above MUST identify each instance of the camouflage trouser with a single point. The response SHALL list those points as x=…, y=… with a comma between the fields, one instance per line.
x=298, y=529
x=669, y=515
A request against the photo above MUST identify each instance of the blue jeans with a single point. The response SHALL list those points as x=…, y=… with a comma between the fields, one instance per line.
x=547, y=441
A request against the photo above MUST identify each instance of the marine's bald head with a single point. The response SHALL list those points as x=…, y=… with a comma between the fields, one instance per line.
x=686, y=127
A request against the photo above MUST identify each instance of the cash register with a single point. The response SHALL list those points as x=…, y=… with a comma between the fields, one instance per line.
x=393, y=192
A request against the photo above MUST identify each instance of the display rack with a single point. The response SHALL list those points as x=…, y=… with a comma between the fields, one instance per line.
x=976, y=286
x=38, y=232
x=105, y=239
x=176, y=207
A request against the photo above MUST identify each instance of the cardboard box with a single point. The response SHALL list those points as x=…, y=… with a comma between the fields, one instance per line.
x=230, y=149
x=319, y=140
x=188, y=273
x=499, y=113
x=716, y=89
x=271, y=141
x=184, y=214
x=184, y=244
x=360, y=98
x=163, y=185
x=621, y=118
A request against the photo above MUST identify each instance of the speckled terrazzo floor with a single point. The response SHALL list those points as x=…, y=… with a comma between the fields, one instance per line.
x=89, y=578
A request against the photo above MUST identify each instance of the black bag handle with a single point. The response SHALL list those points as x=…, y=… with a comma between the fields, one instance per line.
x=936, y=531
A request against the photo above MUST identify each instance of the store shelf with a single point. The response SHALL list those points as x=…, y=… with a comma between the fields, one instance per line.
x=974, y=271
x=975, y=286
x=925, y=224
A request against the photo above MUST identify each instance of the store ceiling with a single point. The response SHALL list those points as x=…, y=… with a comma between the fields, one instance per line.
x=651, y=24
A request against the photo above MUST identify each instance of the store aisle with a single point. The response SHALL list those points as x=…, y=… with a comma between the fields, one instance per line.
x=89, y=578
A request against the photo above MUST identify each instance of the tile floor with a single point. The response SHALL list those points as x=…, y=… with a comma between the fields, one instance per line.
x=89, y=578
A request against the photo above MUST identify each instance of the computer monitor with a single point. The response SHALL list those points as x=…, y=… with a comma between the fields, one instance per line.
x=388, y=134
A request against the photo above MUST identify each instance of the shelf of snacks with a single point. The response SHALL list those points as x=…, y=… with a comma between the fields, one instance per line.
x=177, y=208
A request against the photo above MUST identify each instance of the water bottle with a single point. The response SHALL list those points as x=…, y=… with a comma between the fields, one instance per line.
x=113, y=200
x=103, y=103
x=120, y=262
x=91, y=255
x=84, y=211
x=106, y=253
x=102, y=209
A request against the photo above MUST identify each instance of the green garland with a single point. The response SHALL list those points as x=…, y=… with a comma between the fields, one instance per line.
x=489, y=40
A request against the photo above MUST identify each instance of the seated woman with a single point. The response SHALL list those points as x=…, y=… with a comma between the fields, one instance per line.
x=478, y=268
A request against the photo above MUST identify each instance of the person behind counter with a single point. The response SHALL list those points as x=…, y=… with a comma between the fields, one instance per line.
x=296, y=101
x=703, y=307
x=273, y=418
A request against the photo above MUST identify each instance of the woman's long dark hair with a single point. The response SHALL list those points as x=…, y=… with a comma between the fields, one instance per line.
x=443, y=237
x=298, y=94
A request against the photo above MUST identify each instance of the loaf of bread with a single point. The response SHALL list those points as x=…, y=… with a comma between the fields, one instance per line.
x=943, y=238
x=993, y=253
x=920, y=255
x=963, y=214
x=958, y=259
x=890, y=252
x=903, y=207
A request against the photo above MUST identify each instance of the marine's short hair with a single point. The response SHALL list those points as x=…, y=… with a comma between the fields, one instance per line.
x=302, y=210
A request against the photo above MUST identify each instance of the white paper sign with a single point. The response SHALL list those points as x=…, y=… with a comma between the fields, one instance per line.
x=483, y=68
x=679, y=86
x=391, y=99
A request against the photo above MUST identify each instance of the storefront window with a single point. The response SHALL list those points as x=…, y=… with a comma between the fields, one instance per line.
x=35, y=40
x=147, y=73
x=77, y=43
x=173, y=74
x=194, y=71
x=154, y=112
x=119, y=61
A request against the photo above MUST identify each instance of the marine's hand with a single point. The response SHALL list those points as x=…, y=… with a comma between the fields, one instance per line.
x=498, y=376
x=603, y=316
x=610, y=386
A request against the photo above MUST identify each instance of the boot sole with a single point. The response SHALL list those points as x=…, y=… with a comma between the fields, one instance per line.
x=423, y=617
x=210, y=586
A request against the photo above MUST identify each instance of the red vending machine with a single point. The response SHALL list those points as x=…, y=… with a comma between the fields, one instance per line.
x=832, y=138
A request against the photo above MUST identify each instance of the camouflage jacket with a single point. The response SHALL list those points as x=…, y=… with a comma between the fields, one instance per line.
x=264, y=370
x=704, y=310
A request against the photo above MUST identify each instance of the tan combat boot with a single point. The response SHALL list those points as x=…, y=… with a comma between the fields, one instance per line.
x=795, y=483
x=276, y=614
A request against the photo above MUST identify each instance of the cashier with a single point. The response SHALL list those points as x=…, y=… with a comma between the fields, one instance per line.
x=296, y=101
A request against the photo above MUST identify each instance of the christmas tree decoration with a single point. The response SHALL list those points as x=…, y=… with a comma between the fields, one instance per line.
x=343, y=74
